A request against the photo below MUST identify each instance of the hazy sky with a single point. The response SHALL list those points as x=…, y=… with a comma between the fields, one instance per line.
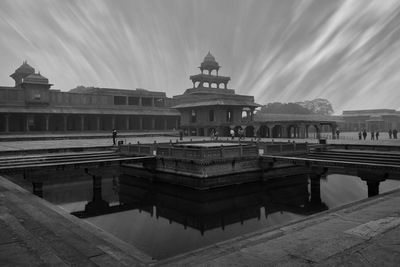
x=277, y=50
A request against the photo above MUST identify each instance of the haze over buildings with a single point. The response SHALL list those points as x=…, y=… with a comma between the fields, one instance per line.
x=346, y=51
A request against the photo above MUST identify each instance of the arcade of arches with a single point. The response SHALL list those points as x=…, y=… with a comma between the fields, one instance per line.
x=15, y=122
x=270, y=130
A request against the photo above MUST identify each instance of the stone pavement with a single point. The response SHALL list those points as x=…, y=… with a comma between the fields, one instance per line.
x=95, y=142
x=366, y=233
x=36, y=233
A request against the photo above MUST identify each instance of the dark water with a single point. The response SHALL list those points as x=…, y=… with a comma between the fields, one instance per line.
x=164, y=220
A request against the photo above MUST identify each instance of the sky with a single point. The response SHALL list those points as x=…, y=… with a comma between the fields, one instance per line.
x=347, y=51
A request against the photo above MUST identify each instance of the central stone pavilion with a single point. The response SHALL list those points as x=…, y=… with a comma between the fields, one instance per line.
x=210, y=105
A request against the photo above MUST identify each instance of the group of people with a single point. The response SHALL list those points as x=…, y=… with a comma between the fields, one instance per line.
x=240, y=134
x=392, y=133
x=375, y=135
x=363, y=135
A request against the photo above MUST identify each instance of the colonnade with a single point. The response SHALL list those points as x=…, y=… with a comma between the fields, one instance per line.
x=266, y=130
x=16, y=122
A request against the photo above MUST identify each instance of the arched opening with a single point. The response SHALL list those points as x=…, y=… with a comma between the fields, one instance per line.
x=159, y=123
x=225, y=131
x=2, y=123
x=249, y=131
x=206, y=85
x=120, y=123
x=201, y=131
x=293, y=131
x=214, y=85
x=39, y=123
x=264, y=132
x=17, y=122
x=73, y=123
x=90, y=123
x=56, y=123
x=277, y=131
x=311, y=131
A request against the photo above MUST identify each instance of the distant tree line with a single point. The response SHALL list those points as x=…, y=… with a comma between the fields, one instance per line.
x=317, y=106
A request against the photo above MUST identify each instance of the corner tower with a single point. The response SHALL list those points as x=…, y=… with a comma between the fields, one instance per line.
x=23, y=71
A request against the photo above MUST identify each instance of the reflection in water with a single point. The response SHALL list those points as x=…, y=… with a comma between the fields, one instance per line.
x=164, y=220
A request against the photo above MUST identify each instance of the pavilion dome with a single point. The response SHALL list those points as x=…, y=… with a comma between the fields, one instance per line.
x=36, y=78
x=25, y=68
x=209, y=62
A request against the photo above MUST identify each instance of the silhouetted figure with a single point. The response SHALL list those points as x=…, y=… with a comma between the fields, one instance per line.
x=114, y=136
x=372, y=135
x=364, y=134
x=181, y=135
x=232, y=133
x=377, y=135
x=390, y=133
x=216, y=135
x=359, y=135
x=395, y=134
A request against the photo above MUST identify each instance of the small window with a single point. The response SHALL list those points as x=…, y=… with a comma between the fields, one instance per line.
x=229, y=116
x=119, y=100
x=211, y=115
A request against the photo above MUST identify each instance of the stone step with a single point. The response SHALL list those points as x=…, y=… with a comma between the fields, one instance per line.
x=354, y=159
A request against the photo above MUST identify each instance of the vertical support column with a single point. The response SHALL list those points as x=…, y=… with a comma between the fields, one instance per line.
x=7, y=126
x=82, y=123
x=315, y=187
x=113, y=121
x=127, y=122
x=27, y=117
x=65, y=123
x=177, y=123
x=141, y=123
x=333, y=128
x=165, y=123
x=98, y=123
x=47, y=119
x=152, y=102
x=373, y=188
x=153, y=123
x=140, y=101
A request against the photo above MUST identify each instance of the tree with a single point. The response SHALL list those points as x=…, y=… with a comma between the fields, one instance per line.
x=284, y=108
x=318, y=106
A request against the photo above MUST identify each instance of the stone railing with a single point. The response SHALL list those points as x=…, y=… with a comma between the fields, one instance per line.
x=208, y=153
x=282, y=148
x=138, y=149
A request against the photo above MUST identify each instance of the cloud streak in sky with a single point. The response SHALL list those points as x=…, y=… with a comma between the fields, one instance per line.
x=346, y=50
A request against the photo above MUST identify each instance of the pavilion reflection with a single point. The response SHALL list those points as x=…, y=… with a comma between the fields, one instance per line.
x=204, y=210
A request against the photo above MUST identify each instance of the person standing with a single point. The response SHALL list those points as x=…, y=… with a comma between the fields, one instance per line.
x=232, y=132
x=394, y=134
x=377, y=135
x=390, y=133
x=337, y=133
x=359, y=135
x=372, y=135
x=114, y=136
x=365, y=134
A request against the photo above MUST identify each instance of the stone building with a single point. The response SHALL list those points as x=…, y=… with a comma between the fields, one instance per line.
x=31, y=106
x=210, y=106
x=370, y=119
